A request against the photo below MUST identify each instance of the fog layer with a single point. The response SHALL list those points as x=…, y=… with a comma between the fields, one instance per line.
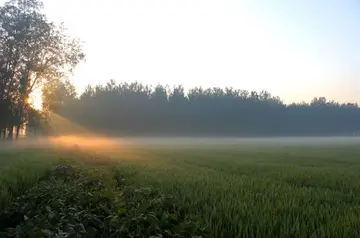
x=177, y=142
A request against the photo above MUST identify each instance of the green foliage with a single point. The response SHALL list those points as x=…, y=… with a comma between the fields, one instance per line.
x=59, y=208
x=153, y=214
x=77, y=203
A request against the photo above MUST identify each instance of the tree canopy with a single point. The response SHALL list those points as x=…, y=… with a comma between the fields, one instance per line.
x=56, y=93
x=137, y=109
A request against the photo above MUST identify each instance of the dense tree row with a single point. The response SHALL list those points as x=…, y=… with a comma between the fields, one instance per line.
x=137, y=109
x=33, y=52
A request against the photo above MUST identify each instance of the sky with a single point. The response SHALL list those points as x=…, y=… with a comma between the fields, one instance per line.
x=295, y=49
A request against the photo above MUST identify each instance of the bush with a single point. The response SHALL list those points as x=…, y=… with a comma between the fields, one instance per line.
x=73, y=204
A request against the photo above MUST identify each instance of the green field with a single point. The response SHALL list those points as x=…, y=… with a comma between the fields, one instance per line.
x=225, y=191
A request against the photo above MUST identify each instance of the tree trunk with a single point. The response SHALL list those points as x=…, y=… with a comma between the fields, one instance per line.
x=11, y=132
x=17, y=132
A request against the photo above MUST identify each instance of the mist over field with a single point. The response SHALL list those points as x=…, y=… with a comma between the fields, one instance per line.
x=240, y=142
x=94, y=143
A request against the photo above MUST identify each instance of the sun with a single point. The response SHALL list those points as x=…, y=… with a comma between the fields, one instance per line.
x=35, y=100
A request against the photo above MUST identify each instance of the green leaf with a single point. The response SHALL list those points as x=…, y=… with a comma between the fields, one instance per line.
x=47, y=233
x=91, y=232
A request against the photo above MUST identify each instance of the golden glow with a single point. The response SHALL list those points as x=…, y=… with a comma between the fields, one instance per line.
x=85, y=142
x=68, y=133
x=35, y=100
x=92, y=146
x=62, y=126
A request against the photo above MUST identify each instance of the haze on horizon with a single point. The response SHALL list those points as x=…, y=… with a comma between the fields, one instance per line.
x=294, y=49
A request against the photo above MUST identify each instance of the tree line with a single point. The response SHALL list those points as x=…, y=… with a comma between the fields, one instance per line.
x=36, y=53
x=138, y=109
x=33, y=52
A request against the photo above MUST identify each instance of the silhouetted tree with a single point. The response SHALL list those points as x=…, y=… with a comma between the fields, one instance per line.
x=33, y=52
x=56, y=93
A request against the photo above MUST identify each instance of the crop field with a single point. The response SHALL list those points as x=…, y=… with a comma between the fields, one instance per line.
x=224, y=191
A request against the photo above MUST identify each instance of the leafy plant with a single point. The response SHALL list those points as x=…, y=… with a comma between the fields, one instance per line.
x=73, y=204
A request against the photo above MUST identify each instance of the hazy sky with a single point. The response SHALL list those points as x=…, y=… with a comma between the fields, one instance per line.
x=294, y=49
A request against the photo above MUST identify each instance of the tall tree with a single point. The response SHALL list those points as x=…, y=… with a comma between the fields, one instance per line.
x=33, y=52
x=56, y=93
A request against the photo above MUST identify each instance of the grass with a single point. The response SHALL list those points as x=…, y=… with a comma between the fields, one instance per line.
x=20, y=170
x=232, y=192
